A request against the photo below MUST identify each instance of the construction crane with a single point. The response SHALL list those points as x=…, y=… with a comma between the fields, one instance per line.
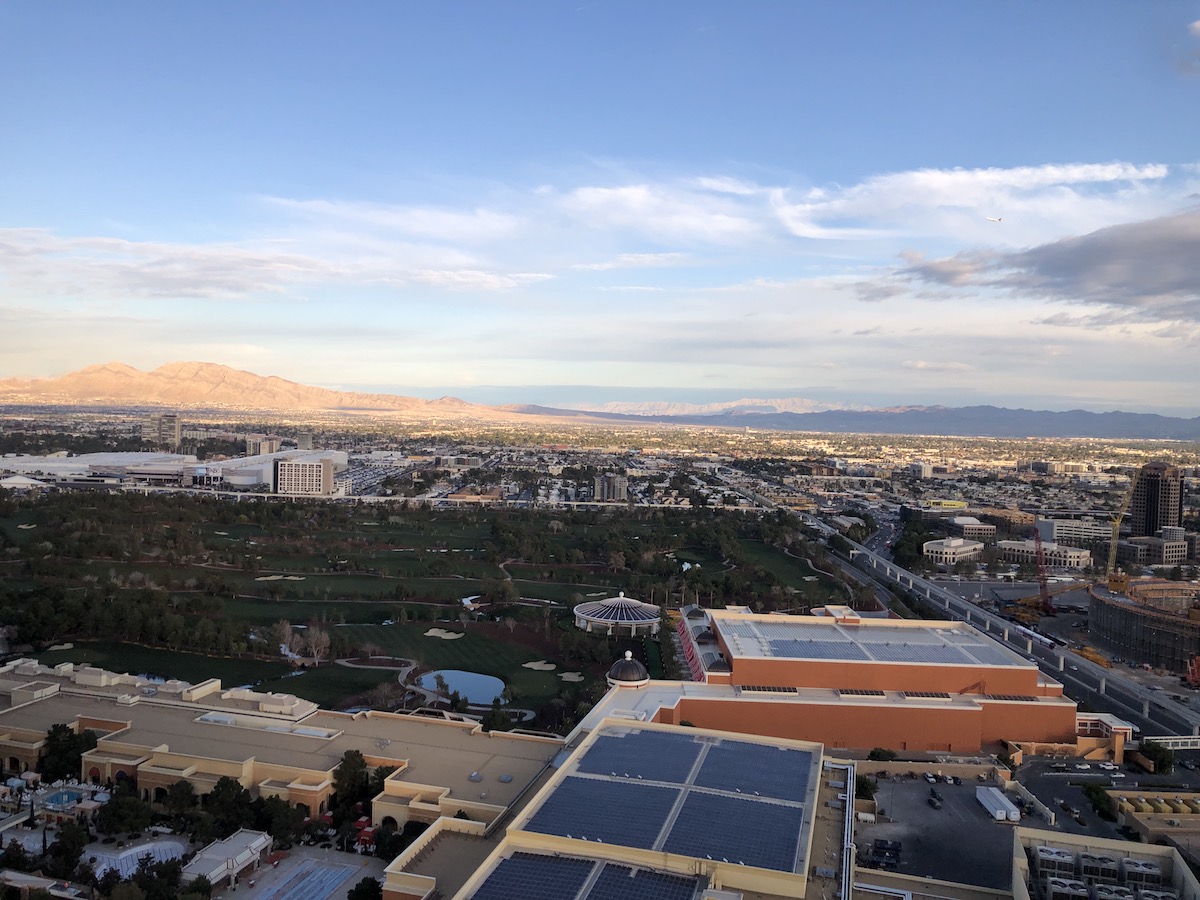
x=1043, y=587
x=1118, y=583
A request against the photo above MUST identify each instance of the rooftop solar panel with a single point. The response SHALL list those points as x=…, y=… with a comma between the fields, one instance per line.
x=753, y=832
x=528, y=876
x=796, y=649
x=918, y=653
x=613, y=812
x=644, y=755
x=741, y=767
x=622, y=883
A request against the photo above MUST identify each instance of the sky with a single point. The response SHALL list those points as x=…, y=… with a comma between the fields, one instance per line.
x=532, y=202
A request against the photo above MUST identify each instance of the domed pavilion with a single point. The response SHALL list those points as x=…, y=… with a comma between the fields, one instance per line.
x=628, y=673
x=619, y=616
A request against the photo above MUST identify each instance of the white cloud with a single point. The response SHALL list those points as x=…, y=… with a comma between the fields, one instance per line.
x=1034, y=201
x=1194, y=29
x=662, y=212
x=475, y=280
x=635, y=261
x=424, y=222
x=924, y=365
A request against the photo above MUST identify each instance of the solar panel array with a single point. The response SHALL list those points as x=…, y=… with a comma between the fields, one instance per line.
x=648, y=755
x=706, y=829
x=695, y=795
x=532, y=876
x=1014, y=697
x=611, y=812
x=758, y=769
x=622, y=883
x=806, y=640
x=918, y=653
x=527, y=876
x=794, y=649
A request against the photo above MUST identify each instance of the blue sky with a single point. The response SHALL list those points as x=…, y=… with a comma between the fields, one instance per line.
x=672, y=201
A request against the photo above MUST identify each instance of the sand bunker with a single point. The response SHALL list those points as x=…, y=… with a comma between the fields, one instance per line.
x=222, y=533
x=294, y=577
x=571, y=676
x=26, y=527
x=540, y=666
x=269, y=578
x=444, y=634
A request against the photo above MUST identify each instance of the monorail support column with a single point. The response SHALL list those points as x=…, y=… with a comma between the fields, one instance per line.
x=1146, y=708
x=1029, y=645
x=1062, y=663
x=1103, y=686
x=1006, y=634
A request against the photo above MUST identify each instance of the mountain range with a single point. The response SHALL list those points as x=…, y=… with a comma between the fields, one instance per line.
x=209, y=385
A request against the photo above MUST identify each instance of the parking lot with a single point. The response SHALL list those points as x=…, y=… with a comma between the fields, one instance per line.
x=959, y=842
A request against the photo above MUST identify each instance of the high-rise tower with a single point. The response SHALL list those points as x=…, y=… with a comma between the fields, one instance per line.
x=1157, y=500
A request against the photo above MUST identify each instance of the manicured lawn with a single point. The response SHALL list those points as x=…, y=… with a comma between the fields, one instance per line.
x=191, y=667
x=268, y=612
x=474, y=652
x=329, y=685
x=793, y=572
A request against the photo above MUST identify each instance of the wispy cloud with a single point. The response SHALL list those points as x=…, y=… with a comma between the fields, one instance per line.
x=422, y=222
x=924, y=365
x=635, y=261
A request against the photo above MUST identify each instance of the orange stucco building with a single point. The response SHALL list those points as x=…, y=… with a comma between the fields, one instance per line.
x=848, y=681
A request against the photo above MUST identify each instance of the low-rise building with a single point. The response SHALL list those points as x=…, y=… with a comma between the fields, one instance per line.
x=948, y=551
x=1054, y=554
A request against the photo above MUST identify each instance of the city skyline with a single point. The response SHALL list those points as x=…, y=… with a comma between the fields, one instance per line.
x=683, y=202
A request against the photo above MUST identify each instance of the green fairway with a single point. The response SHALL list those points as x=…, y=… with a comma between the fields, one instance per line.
x=794, y=573
x=473, y=652
x=329, y=686
x=190, y=667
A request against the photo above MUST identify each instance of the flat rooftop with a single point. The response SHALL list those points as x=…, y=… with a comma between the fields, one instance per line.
x=867, y=641
x=743, y=800
x=436, y=753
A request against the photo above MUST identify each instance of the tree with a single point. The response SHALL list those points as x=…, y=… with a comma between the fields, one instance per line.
x=279, y=819
x=864, y=787
x=181, y=796
x=63, y=753
x=350, y=779
x=881, y=754
x=72, y=838
x=367, y=889
x=229, y=805
x=316, y=643
x=123, y=811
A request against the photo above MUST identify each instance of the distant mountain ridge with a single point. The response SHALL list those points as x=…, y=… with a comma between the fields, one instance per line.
x=199, y=384
x=210, y=384
x=733, y=407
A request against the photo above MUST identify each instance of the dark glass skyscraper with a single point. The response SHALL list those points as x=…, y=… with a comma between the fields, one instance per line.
x=1157, y=499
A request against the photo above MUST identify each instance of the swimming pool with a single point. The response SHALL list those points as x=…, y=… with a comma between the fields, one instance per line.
x=64, y=798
